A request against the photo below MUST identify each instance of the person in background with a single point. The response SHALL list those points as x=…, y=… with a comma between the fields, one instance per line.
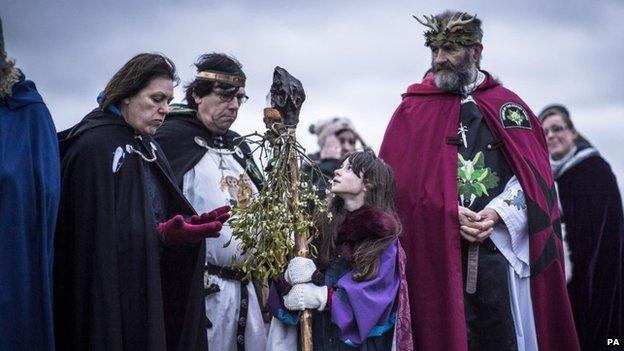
x=336, y=138
x=594, y=229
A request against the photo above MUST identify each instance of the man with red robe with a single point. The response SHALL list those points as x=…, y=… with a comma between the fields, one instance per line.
x=478, y=206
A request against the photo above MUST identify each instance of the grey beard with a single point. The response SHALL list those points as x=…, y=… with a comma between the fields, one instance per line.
x=447, y=80
x=454, y=80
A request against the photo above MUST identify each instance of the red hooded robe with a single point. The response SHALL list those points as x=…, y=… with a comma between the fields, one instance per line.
x=417, y=144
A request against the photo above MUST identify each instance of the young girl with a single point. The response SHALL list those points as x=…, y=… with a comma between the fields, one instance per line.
x=353, y=285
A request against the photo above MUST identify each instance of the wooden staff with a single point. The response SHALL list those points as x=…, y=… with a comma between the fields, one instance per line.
x=301, y=241
x=301, y=238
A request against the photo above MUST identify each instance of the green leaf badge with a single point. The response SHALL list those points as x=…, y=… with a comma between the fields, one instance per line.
x=514, y=116
x=474, y=179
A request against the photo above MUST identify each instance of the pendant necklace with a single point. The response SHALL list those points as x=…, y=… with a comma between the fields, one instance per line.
x=220, y=162
x=130, y=149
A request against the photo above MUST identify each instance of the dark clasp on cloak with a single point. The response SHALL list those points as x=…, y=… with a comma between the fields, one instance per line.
x=495, y=144
x=454, y=140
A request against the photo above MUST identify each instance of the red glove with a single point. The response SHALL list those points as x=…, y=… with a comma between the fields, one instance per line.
x=176, y=231
x=221, y=214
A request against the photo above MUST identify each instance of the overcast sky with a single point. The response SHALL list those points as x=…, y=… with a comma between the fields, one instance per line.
x=354, y=58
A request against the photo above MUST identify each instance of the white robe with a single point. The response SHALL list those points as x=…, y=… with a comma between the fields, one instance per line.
x=206, y=186
x=511, y=237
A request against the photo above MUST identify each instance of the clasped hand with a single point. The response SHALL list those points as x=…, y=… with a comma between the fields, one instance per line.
x=477, y=226
x=304, y=294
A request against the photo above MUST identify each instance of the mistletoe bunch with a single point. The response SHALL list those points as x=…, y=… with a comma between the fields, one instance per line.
x=473, y=178
x=267, y=224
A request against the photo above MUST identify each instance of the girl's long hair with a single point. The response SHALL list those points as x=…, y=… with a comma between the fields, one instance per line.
x=378, y=178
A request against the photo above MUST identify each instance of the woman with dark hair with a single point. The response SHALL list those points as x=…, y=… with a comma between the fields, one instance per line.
x=124, y=227
x=358, y=292
x=594, y=229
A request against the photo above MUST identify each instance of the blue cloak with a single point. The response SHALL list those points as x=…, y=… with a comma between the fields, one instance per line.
x=29, y=196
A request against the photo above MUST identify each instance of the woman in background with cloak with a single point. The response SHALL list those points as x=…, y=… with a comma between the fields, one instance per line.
x=594, y=229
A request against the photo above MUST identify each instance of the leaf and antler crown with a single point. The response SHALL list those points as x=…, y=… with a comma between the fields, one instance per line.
x=454, y=30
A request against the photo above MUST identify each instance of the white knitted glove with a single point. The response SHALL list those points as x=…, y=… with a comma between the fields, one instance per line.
x=300, y=270
x=306, y=296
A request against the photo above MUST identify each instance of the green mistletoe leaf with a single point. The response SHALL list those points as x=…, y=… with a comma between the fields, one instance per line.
x=479, y=160
x=486, y=172
x=477, y=188
x=481, y=188
x=479, y=174
x=461, y=174
x=491, y=181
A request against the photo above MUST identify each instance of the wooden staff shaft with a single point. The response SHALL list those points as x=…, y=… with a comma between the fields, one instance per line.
x=301, y=243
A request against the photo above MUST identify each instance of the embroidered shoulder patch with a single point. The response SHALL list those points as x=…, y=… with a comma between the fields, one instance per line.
x=514, y=116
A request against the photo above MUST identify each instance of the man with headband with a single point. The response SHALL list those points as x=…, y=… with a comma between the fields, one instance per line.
x=215, y=169
x=478, y=206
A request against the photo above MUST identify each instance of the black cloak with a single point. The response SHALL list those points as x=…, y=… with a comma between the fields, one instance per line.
x=177, y=138
x=116, y=286
x=594, y=224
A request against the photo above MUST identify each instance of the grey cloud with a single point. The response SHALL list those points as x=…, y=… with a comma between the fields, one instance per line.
x=354, y=59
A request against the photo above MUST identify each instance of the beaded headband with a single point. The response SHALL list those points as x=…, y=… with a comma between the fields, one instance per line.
x=221, y=77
